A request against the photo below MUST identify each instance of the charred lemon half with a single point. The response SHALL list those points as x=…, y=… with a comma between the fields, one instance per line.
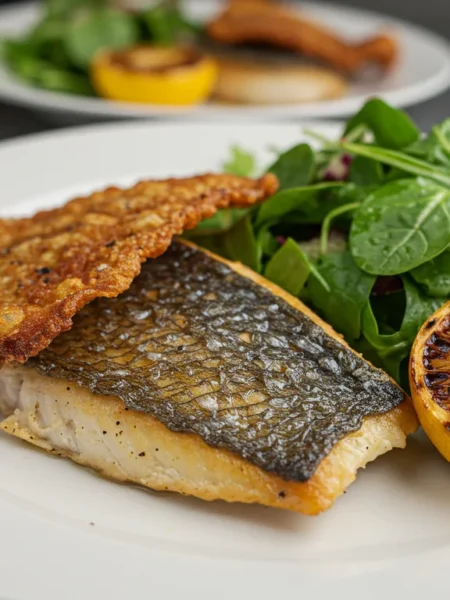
x=154, y=75
x=429, y=374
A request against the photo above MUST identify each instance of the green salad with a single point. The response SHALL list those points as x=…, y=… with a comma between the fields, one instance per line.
x=359, y=230
x=55, y=54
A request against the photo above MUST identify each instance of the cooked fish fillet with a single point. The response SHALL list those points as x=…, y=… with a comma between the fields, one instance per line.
x=205, y=379
x=55, y=262
x=268, y=21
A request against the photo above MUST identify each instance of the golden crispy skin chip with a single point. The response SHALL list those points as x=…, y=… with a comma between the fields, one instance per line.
x=268, y=21
x=54, y=263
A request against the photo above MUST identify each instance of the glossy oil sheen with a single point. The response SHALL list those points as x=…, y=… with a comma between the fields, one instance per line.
x=206, y=350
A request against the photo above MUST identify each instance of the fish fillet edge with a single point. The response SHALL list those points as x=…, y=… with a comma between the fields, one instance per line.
x=127, y=446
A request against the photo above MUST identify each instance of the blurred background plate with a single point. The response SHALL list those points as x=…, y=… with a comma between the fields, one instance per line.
x=422, y=72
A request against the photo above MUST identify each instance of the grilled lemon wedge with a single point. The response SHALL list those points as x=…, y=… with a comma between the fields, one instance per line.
x=429, y=375
x=154, y=75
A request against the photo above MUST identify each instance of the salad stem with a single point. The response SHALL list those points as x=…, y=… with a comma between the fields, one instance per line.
x=326, y=224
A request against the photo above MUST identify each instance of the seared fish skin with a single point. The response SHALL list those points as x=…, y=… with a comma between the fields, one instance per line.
x=129, y=446
x=56, y=262
x=206, y=350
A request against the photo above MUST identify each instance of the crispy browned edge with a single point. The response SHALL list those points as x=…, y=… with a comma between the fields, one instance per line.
x=94, y=247
x=241, y=480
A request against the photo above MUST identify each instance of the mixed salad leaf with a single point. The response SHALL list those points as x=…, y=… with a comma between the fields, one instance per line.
x=57, y=52
x=359, y=230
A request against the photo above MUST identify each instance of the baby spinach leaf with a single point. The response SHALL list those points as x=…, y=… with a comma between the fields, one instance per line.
x=390, y=126
x=303, y=199
x=295, y=167
x=365, y=171
x=434, y=275
x=289, y=267
x=241, y=162
x=348, y=292
x=400, y=226
x=99, y=30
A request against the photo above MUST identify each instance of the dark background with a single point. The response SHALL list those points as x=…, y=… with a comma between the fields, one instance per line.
x=433, y=14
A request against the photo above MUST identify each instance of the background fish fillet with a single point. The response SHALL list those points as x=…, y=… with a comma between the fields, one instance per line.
x=205, y=379
x=268, y=21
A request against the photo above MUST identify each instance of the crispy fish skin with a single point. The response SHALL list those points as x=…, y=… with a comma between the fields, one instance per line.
x=250, y=21
x=54, y=263
x=205, y=350
x=129, y=446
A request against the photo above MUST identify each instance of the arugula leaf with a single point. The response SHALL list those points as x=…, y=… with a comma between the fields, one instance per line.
x=295, y=167
x=289, y=267
x=401, y=226
x=434, y=275
x=390, y=126
x=348, y=292
x=303, y=199
x=99, y=30
x=241, y=162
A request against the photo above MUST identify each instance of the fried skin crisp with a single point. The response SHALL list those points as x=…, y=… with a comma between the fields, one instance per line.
x=250, y=21
x=54, y=263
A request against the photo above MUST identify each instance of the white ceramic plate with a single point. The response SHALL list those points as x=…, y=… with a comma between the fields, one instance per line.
x=68, y=535
x=422, y=72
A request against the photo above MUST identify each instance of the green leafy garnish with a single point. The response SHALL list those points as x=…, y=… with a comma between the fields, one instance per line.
x=369, y=252
x=295, y=167
x=297, y=200
x=241, y=162
x=99, y=30
x=391, y=127
x=346, y=294
x=57, y=51
x=434, y=276
x=400, y=226
x=289, y=267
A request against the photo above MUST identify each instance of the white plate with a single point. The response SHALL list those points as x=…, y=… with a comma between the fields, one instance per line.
x=69, y=535
x=422, y=72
